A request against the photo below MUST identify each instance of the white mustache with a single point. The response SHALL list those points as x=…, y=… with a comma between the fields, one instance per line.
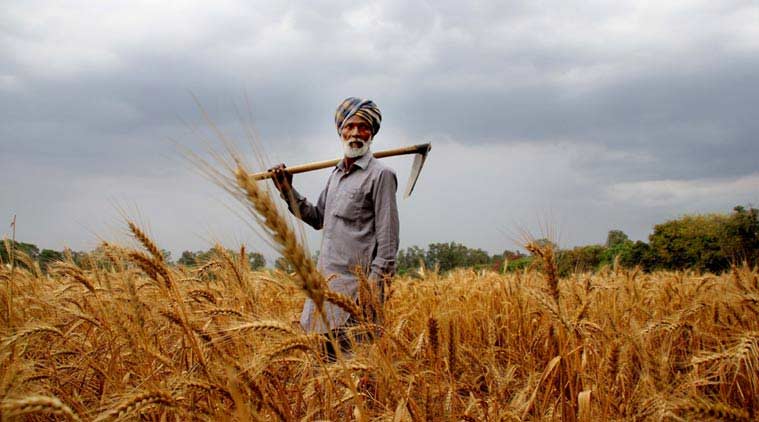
x=360, y=142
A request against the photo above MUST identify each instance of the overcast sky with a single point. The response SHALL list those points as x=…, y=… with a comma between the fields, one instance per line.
x=584, y=116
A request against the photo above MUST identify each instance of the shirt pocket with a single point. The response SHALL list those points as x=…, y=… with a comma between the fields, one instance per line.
x=350, y=205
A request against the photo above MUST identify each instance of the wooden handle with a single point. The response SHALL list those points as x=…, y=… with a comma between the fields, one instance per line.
x=414, y=149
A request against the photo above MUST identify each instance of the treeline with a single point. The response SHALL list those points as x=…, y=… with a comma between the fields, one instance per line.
x=28, y=254
x=193, y=259
x=447, y=256
x=710, y=242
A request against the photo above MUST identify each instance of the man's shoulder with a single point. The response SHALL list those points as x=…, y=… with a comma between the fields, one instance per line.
x=378, y=168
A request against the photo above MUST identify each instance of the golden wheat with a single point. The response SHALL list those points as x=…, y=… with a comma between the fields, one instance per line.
x=312, y=282
x=149, y=340
x=38, y=404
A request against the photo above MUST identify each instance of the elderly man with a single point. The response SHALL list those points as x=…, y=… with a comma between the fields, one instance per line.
x=357, y=210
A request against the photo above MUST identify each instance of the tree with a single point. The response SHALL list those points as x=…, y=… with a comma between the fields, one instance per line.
x=256, y=260
x=544, y=242
x=618, y=249
x=188, y=259
x=740, y=236
x=520, y=263
x=409, y=259
x=29, y=249
x=692, y=241
x=615, y=238
x=638, y=254
x=193, y=259
x=454, y=255
x=580, y=258
x=166, y=255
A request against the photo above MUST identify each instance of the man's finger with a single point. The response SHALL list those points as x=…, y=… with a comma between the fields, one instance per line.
x=281, y=177
x=276, y=168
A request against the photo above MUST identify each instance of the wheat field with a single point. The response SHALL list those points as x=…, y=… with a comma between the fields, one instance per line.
x=125, y=336
x=132, y=338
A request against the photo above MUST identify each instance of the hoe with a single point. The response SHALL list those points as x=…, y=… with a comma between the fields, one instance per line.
x=420, y=152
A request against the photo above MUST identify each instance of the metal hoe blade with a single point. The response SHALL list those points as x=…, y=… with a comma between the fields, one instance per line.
x=416, y=168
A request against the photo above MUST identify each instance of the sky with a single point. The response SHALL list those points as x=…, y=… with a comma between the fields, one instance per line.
x=566, y=118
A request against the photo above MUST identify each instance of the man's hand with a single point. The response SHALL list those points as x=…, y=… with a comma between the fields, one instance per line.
x=283, y=179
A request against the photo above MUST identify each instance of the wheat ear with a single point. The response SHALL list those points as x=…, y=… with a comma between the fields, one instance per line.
x=345, y=303
x=217, y=312
x=222, y=253
x=311, y=281
x=38, y=404
x=65, y=268
x=304, y=342
x=209, y=389
x=198, y=294
x=205, y=267
x=264, y=326
x=138, y=402
x=548, y=259
x=32, y=331
x=145, y=241
x=719, y=411
x=433, y=335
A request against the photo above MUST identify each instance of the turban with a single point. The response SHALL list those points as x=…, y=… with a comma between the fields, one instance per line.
x=358, y=107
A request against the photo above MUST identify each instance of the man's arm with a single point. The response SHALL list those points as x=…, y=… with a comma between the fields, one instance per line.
x=313, y=215
x=386, y=225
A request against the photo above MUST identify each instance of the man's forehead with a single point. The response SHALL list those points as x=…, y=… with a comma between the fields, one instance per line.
x=355, y=119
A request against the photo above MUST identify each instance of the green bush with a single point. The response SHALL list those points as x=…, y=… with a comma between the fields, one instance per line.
x=579, y=259
x=519, y=264
x=701, y=242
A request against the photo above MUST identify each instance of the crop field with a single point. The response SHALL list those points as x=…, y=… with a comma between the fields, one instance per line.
x=125, y=336
x=134, y=338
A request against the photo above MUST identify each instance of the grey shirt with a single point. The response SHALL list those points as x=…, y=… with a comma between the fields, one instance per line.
x=359, y=215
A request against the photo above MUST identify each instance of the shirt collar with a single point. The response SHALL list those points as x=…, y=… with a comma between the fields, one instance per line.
x=362, y=161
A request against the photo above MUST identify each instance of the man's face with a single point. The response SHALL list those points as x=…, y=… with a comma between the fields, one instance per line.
x=356, y=135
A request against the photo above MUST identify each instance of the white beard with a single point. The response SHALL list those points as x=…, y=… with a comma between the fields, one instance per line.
x=351, y=152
